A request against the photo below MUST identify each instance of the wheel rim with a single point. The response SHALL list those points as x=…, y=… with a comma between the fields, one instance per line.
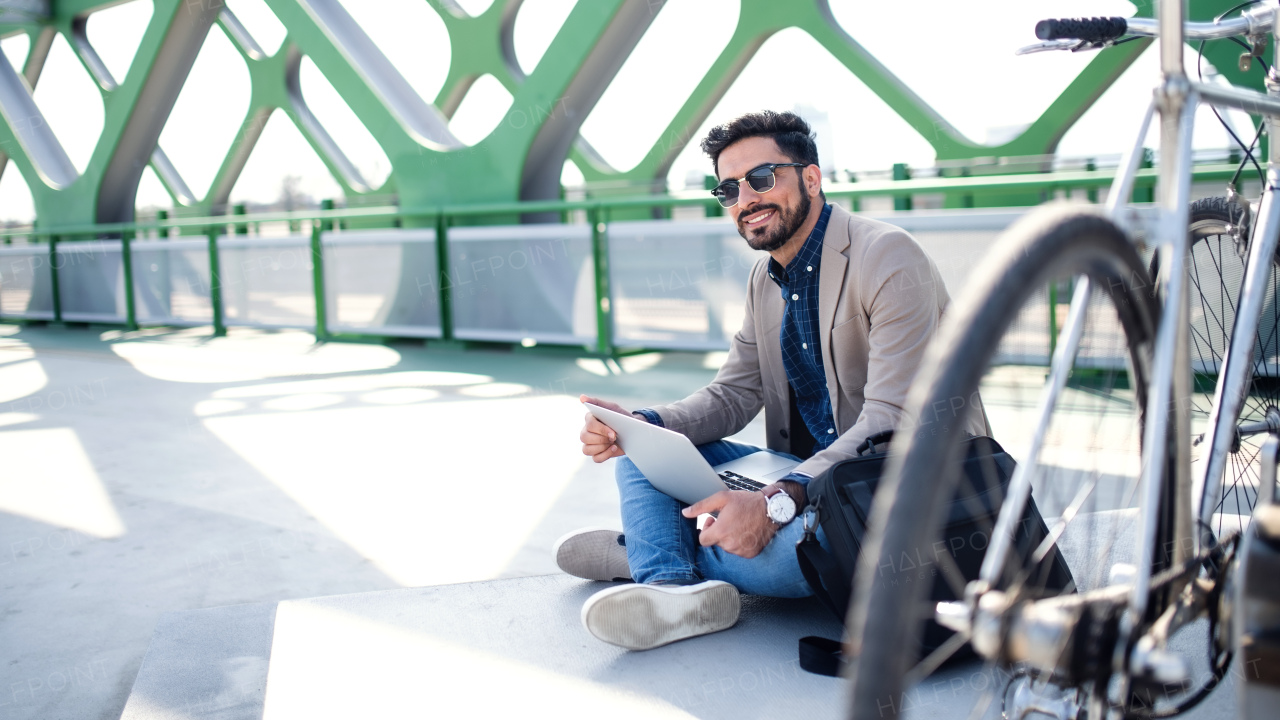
x=1216, y=273
x=1101, y=394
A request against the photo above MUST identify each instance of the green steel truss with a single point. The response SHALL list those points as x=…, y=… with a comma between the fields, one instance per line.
x=517, y=161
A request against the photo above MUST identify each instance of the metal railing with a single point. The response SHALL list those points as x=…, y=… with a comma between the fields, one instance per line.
x=217, y=235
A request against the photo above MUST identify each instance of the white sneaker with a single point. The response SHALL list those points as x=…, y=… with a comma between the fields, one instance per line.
x=594, y=554
x=640, y=617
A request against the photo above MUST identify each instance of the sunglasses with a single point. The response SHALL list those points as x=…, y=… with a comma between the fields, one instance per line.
x=761, y=179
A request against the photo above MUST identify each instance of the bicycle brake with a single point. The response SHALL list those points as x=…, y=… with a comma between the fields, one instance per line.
x=1240, y=224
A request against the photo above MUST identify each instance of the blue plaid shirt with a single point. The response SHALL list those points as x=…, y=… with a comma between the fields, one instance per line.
x=801, y=343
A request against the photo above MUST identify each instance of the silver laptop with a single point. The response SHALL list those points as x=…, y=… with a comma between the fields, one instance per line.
x=674, y=466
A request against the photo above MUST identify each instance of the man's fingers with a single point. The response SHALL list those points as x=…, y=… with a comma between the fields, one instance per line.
x=707, y=505
x=593, y=438
x=603, y=403
x=601, y=453
x=596, y=427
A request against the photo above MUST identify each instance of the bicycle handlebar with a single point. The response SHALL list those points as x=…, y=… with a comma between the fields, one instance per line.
x=1100, y=30
x=1094, y=30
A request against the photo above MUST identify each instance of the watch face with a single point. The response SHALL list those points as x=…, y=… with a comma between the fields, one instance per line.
x=782, y=509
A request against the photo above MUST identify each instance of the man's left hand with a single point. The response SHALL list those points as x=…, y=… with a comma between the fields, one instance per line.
x=742, y=527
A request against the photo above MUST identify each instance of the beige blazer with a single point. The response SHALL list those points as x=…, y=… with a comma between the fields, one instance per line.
x=880, y=302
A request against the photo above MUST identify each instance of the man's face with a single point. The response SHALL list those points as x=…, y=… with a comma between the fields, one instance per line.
x=766, y=221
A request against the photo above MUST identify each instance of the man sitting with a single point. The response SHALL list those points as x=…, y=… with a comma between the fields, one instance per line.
x=838, y=317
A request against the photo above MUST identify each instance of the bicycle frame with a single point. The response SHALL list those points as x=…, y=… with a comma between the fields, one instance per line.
x=1166, y=486
x=1166, y=482
x=1176, y=100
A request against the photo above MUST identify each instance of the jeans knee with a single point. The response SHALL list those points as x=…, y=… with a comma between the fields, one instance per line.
x=626, y=473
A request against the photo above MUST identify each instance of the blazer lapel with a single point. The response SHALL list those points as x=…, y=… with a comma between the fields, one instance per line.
x=830, y=288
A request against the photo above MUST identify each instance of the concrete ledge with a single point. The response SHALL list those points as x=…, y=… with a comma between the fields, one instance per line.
x=495, y=649
x=480, y=650
x=209, y=664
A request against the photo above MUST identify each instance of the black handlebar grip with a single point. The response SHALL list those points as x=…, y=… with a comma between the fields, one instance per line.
x=1087, y=29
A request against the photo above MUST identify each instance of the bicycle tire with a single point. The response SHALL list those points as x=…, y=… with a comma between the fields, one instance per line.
x=1049, y=242
x=1216, y=271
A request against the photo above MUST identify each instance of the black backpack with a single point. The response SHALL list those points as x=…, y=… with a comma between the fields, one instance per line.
x=841, y=500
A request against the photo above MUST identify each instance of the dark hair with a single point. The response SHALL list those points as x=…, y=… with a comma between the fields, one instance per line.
x=788, y=130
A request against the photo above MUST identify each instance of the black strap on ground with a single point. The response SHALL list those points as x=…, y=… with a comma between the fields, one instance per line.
x=820, y=656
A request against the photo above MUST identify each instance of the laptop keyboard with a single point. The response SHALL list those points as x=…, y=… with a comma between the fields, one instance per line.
x=738, y=482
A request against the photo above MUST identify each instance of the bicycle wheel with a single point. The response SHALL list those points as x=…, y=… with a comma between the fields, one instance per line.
x=1216, y=272
x=1084, y=481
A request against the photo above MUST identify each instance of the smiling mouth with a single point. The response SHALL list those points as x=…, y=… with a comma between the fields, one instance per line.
x=757, y=219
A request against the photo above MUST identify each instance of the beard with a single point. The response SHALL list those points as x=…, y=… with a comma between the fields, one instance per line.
x=788, y=223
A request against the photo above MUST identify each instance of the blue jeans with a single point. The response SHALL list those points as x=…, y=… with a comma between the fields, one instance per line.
x=662, y=544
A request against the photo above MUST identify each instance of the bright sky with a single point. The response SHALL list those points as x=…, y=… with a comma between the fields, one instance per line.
x=958, y=59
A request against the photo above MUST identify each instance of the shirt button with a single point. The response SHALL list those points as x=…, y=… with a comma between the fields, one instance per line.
x=830, y=430
x=810, y=268
x=804, y=345
x=795, y=297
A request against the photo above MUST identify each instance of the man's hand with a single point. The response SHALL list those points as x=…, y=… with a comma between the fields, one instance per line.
x=742, y=526
x=598, y=440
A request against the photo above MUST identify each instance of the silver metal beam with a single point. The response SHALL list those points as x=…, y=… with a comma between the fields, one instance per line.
x=150, y=108
x=423, y=122
x=34, y=136
x=1177, y=113
x=315, y=131
x=169, y=176
x=540, y=178
x=1249, y=101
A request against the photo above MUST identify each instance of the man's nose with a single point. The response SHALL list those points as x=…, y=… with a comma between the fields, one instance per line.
x=747, y=195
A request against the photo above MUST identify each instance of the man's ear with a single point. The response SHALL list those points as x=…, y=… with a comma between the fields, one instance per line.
x=813, y=180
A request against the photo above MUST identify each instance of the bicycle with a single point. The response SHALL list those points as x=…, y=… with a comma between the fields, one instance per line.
x=1142, y=515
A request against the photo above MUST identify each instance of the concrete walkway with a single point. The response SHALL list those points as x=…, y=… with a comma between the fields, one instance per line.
x=195, y=501
x=161, y=471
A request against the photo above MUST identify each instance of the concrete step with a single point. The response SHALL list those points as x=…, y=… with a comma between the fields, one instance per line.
x=488, y=649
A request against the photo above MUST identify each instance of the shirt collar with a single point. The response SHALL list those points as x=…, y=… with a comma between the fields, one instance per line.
x=810, y=254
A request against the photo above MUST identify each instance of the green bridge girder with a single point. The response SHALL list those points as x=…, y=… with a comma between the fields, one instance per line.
x=517, y=161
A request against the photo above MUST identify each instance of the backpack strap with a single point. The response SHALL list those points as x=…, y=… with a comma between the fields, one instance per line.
x=869, y=445
x=819, y=568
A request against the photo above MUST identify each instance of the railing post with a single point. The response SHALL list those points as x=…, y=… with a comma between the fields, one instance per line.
x=53, y=278
x=317, y=279
x=901, y=172
x=1091, y=194
x=166, y=265
x=442, y=273
x=215, y=283
x=126, y=264
x=241, y=228
x=709, y=182
x=327, y=204
x=1053, y=318
x=1145, y=194
x=597, y=216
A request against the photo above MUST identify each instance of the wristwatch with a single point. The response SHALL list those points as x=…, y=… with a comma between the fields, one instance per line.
x=779, y=506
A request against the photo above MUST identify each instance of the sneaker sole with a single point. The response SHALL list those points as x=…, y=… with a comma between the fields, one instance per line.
x=592, y=555
x=641, y=617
